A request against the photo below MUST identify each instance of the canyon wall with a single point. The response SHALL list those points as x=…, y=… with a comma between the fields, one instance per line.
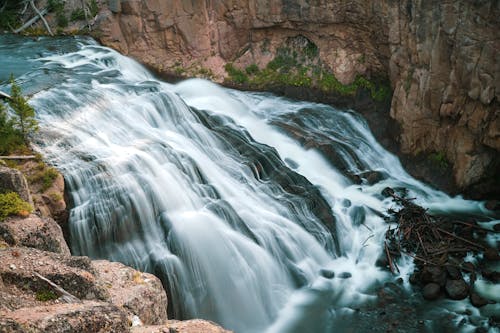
x=441, y=59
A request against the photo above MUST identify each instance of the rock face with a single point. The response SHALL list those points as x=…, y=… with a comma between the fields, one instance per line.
x=441, y=58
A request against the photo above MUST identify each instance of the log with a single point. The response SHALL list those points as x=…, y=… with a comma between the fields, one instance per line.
x=41, y=17
x=65, y=296
x=4, y=95
x=18, y=157
x=31, y=21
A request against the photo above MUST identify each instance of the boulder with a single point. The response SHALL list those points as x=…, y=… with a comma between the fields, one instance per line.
x=82, y=317
x=139, y=294
x=36, y=232
x=477, y=300
x=456, y=289
x=433, y=274
x=188, y=326
x=431, y=291
x=12, y=180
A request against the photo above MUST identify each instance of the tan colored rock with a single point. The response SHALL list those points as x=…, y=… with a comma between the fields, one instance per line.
x=140, y=294
x=87, y=316
x=33, y=231
x=12, y=180
x=187, y=326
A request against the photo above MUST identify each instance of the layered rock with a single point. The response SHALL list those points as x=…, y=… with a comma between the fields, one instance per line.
x=441, y=57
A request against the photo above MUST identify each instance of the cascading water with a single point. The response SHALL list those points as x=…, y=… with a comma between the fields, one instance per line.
x=238, y=201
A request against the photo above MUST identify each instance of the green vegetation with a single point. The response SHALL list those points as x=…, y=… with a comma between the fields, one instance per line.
x=12, y=204
x=57, y=7
x=45, y=176
x=439, y=161
x=9, y=17
x=15, y=128
x=45, y=295
x=94, y=8
x=78, y=14
x=252, y=69
x=237, y=75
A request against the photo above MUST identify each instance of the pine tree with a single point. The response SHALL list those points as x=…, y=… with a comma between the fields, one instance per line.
x=24, y=118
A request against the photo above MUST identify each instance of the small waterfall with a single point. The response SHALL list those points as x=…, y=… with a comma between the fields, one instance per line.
x=240, y=202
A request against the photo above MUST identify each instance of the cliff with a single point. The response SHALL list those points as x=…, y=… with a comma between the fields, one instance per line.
x=441, y=59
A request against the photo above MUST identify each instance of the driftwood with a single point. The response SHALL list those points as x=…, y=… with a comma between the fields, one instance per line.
x=18, y=157
x=41, y=17
x=32, y=20
x=4, y=95
x=65, y=296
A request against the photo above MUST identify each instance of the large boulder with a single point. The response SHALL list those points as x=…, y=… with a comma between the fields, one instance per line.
x=36, y=232
x=140, y=294
x=188, y=326
x=12, y=180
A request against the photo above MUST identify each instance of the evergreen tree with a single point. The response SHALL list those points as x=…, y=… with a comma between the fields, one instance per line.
x=24, y=118
x=11, y=138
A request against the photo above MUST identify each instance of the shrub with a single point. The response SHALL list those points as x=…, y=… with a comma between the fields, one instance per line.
x=93, y=7
x=77, y=15
x=45, y=177
x=236, y=74
x=45, y=295
x=252, y=69
x=12, y=204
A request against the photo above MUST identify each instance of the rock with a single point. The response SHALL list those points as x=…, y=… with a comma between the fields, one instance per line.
x=188, y=326
x=490, y=275
x=40, y=233
x=326, y=273
x=496, y=227
x=453, y=272
x=414, y=278
x=12, y=180
x=431, y=291
x=493, y=205
x=140, y=294
x=456, y=289
x=468, y=267
x=344, y=275
x=477, y=300
x=491, y=254
x=373, y=177
x=433, y=274
x=82, y=317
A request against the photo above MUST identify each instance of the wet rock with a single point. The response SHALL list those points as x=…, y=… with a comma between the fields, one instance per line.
x=36, y=232
x=491, y=254
x=382, y=261
x=85, y=317
x=433, y=274
x=12, y=180
x=431, y=291
x=453, y=272
x=344, y=275
x=140, y=294
x=493, y=205
x=291, y=163
x=468, y=267
x=490, y=275
x=327, y=273
x=414, y=278
x=496, y=227
x=373, y=177
x=456, y=289
x=477, y=300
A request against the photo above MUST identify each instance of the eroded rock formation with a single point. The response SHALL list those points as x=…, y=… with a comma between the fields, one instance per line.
x=442, y=59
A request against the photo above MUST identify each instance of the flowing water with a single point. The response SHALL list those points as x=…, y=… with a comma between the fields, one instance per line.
x=240, y=202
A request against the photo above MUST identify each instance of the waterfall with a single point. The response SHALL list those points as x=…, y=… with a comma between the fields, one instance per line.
x=240, y=202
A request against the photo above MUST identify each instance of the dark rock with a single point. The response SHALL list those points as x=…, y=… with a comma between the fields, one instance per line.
x=414, y=278
x=496, y=227
x=491, y=254
x=387, y=192
x=492, y=205
x=431, y=291
x=453, y=272
x=468, y=267
x=492, y=276
x=344, y=275
x=326, y=273
x=433, y=274
x=373, y=177
x=382, y=261
x=477, y=300
x=456, y=289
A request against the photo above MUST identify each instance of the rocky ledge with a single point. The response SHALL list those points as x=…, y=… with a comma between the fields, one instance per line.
x=45, y=289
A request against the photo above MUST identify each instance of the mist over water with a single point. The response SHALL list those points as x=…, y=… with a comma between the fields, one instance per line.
x=224, y=195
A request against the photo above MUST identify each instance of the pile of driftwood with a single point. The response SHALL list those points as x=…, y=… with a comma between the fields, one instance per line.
x=438, y=246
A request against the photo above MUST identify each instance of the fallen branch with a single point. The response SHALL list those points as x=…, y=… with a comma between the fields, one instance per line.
x=18, y=157
x=31, y=21
x=460, y=238
x=41, y=17
x=65, y=296
x=4, y=95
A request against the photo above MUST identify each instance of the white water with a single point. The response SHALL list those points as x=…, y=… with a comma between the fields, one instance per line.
x=155, y=187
